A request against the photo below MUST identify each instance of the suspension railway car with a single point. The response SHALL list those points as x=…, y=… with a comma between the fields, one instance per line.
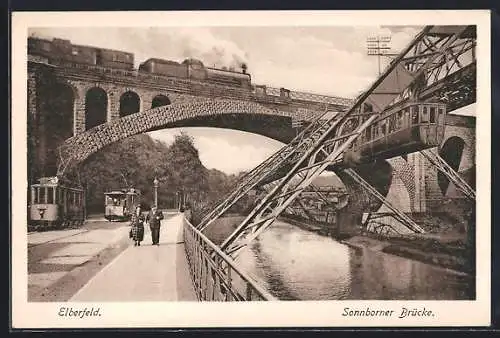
x=120, y=204
x=409, y=128
x=55, y=204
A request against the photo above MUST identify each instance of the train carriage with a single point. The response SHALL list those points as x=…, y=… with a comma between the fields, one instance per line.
x=120, y=204
x=409, y=128
x=56, y=204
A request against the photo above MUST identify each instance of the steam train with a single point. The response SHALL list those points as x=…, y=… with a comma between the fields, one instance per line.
x=409, y=128
x=61, y=50
x=55, y=204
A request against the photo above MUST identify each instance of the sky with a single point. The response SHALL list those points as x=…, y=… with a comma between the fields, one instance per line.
x=325, y=60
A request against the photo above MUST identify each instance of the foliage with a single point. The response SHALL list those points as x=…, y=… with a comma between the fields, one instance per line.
x=136, y=161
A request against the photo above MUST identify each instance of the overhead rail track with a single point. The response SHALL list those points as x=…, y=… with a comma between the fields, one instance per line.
x=324, y=144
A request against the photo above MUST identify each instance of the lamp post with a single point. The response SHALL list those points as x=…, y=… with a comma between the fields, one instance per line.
x=155, y=184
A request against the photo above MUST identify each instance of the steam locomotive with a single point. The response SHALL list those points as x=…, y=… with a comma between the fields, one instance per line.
x=64, y=51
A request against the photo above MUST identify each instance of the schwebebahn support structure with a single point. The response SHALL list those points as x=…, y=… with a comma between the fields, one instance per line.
x=432, y=59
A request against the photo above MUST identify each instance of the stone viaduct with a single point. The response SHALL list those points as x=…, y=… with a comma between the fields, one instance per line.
x=80, y=109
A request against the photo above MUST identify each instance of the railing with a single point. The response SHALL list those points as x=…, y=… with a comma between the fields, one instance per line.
x=294, y=95
x=184, y=85
x=216, y=276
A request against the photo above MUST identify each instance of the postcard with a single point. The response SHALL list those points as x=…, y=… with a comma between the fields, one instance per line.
x=250, y=169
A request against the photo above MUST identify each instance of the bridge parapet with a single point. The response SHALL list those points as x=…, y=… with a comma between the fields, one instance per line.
x=78, y=71
x=79, y=147
x=215, y=276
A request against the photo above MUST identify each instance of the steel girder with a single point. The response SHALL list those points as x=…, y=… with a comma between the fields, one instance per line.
x=448, y=171
x=456, y=64
x=288, y=154
x=397, y=214
x=323, y=143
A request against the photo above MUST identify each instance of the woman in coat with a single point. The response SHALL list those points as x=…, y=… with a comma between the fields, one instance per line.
x=137, y=226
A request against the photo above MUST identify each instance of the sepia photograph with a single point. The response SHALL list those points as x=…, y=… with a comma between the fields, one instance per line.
x=173, y=169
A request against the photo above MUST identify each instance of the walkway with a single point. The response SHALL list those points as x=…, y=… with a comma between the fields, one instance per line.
x=145, y=273
x=61, y=261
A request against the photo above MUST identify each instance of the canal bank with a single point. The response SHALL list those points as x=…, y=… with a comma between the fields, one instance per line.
x=447, y=250
x=300, y=262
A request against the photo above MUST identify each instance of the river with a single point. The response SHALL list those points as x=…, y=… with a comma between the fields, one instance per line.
x=296, y=264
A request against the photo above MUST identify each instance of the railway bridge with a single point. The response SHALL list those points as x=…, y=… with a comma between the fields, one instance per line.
x=75, y=110
x=437, y=66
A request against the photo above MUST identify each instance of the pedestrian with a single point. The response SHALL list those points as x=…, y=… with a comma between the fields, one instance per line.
x=137, y=226
x=154, y=218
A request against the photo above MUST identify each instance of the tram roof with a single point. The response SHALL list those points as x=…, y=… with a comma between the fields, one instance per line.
x=123, y=192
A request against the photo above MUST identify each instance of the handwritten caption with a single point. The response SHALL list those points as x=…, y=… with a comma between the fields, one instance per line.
x=400, y=313
x=79, y=313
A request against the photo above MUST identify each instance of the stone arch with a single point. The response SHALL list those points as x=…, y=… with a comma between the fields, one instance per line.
x=59, y=107
x=379, y=175
x=130, y=103
x=405, y=173
x=96, y=107
x=451, y=151
x=244, y=115
x=160, y=100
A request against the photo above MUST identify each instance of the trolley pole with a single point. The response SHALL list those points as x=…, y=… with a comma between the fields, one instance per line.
x=155, y=184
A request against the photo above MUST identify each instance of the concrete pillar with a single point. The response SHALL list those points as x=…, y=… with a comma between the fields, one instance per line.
x=113, y=105
x=79, y=117
x=420, y=199
x=146, y=100
x=32, y=131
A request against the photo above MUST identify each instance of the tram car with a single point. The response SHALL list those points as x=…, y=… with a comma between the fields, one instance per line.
x=120, y=204
x=55, y=204
x=409, y=128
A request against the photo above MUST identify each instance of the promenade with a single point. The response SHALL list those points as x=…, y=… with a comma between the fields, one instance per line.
x=145, y=273
x=98, y=262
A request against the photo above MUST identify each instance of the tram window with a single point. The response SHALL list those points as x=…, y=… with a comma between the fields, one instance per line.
x=414, y=115
x=35, y=197
x=425, y=117
x=441, y=116
x=42, y=195
x=368, y=133
x=399, y=121
x=50, y=195
x=432, y=118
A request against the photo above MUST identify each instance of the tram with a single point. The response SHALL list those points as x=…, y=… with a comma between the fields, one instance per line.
x=120, y=204
x=409, y=128
x=56, y=204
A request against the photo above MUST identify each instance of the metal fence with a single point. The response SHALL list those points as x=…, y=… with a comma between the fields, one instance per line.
x=215, y=275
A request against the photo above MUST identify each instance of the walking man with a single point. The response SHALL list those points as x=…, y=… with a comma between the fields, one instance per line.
x=153, y=218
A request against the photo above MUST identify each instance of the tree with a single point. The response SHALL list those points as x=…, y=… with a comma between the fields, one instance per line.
x=136, y=161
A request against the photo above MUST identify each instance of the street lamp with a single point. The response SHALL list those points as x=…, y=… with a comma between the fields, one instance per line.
x=155, y=184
